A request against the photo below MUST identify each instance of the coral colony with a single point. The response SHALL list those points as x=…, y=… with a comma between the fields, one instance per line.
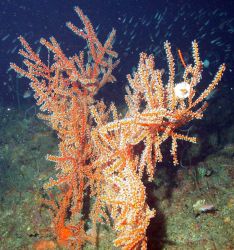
x=99, y=154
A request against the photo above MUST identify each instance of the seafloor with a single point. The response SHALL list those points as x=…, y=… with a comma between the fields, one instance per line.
x=176, y=193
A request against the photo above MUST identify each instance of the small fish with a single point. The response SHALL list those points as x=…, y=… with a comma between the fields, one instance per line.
x=27, y=94
x=201, y=206
x=5, y=37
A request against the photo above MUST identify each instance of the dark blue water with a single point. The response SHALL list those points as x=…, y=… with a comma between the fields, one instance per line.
x=142, y=25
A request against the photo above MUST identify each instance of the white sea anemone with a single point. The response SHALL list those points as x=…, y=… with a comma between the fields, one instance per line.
x=182, y=90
